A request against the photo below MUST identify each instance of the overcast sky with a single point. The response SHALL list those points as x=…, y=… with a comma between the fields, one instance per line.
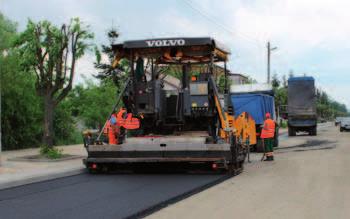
x=312, y=36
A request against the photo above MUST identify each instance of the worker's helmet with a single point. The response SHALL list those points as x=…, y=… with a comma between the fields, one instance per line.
x=268, y=115
x=113, y=120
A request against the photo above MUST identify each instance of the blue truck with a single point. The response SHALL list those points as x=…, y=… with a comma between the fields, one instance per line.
x=257, y=100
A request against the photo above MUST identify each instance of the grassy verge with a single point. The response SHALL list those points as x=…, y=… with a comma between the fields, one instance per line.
x=51, y=152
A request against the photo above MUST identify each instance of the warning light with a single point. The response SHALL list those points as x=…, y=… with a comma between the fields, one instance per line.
x=194, y=78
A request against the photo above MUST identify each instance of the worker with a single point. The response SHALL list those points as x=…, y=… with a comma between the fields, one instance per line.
x=112, y=130
x=126, y=120
x=268, y=134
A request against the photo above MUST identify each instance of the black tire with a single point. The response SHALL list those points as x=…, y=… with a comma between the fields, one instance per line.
x=291, y=131
x=341, y=129
x=313, y=131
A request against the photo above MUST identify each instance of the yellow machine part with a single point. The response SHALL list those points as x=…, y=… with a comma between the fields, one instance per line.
x=245, y=129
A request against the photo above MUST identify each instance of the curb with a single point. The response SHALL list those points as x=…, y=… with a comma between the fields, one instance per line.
x=37, y=179
x=44, y=160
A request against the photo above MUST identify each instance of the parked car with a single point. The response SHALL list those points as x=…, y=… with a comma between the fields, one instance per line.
x=337, y=121
x=345, y=124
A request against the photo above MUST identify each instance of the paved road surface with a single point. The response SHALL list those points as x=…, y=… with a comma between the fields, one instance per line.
x=96, y=196
x=309, y=179
x=312, y=183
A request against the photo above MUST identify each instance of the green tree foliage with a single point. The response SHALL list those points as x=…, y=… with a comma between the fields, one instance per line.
x=105, y=69
x=51, y=52
x=280, y=92
x=328, y=108
x=20, y=107
x=65, y=125
x=275, y=81
x=8, y=31
x=93, y=102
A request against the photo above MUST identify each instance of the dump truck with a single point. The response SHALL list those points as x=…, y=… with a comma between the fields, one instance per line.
x=302, y=115
x=257, y=100
x=181, y=126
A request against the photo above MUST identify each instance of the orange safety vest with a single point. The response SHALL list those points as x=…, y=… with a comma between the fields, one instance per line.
x=112, y=131
x=126, y=120
x=131, y=122
x=120, y=117
x=268, y=130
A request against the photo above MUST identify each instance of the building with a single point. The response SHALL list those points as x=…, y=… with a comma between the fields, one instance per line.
x=238, y=78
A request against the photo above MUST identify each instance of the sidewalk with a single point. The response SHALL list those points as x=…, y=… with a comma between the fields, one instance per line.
x=15, y=173
x=299, y=184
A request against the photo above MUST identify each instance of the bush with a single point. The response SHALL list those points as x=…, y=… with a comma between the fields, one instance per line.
x=51, y=152
x=284, y=124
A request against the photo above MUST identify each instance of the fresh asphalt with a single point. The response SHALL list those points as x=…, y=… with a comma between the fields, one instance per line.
x=100, y=196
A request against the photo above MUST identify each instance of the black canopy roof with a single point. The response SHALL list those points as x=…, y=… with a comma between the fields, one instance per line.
x=194, y=50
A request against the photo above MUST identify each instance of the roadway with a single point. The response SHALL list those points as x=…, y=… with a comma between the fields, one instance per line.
x=100, y=196
x=130, y=195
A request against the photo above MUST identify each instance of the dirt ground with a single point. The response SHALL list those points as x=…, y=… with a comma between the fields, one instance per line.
x=310, y=178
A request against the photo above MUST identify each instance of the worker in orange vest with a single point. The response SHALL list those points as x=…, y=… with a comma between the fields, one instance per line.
x=268, y=134
x=112, y=130
x=126, y=120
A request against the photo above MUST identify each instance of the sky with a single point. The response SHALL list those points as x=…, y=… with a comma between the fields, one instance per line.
x=312, y=37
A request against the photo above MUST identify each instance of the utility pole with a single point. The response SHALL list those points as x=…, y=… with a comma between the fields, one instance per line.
x=269, y=50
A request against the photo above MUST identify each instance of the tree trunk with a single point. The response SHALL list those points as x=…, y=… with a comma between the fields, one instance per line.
x=48, y=120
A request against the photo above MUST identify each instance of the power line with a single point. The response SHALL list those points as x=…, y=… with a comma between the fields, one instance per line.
x=222, y=26
x=247, y=38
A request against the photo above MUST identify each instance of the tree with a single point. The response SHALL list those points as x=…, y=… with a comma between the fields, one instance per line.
x=275, y=81
x=284, y=81
x=105, y=68
x=51, y=53
x=8, y=30
x=93, y=102
x=20, y=107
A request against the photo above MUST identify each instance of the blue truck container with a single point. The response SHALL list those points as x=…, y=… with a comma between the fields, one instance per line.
x=257, y=105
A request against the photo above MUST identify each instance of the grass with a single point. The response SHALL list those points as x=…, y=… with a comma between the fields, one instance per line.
x=51, y=152
x=284, y=124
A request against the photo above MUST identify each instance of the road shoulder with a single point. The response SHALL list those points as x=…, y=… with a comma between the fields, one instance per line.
x=16, y=172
